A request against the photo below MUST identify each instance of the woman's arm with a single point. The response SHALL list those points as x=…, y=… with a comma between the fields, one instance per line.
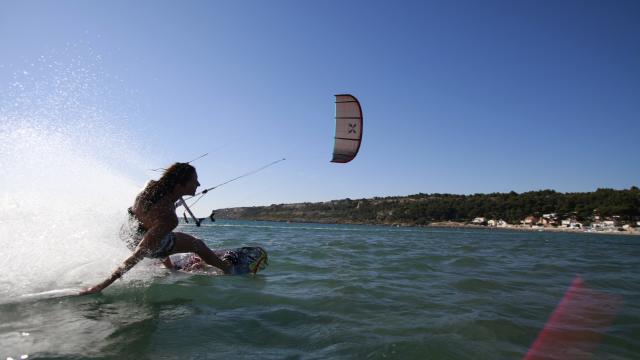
x=126, y=266
x=150, y=239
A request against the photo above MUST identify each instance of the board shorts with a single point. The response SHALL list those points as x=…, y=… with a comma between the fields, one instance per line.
x=132, y=232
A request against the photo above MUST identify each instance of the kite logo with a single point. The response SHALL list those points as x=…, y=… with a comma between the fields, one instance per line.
x=352, y=129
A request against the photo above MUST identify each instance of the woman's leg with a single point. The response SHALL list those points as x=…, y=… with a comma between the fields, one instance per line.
x=187, y=243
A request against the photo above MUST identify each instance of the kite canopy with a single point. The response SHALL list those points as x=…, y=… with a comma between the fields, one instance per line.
x=348, y=128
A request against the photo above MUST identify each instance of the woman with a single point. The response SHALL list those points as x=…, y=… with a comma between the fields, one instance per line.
x=153, y=218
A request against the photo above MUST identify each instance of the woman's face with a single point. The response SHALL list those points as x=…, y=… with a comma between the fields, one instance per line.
x=191, y=185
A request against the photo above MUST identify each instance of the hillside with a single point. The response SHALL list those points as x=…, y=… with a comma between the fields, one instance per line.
x=423, y=209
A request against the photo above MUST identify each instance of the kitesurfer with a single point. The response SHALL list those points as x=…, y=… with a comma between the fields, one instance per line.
x=153, y=219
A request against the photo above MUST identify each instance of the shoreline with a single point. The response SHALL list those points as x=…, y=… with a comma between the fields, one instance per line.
x=526, y=228
x=459, y=225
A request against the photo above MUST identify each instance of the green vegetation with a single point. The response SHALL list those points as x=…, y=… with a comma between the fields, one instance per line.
x=423, y=209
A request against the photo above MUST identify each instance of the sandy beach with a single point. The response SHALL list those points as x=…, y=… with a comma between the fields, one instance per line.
x=453, y=224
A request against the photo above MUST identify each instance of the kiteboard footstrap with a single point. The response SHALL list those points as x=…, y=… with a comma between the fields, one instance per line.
x=260, y=263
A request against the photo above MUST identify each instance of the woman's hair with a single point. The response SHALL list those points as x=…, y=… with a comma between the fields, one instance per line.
x=178, y=173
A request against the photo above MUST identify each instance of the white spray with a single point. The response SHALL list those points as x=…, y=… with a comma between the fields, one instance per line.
x=63, y=188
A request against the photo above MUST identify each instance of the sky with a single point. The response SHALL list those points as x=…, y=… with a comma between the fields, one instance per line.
x=458, y=97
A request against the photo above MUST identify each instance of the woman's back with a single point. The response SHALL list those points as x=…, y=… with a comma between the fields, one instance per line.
x=149, y=210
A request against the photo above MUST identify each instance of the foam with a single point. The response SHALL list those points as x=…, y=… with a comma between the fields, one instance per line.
x=65, y=184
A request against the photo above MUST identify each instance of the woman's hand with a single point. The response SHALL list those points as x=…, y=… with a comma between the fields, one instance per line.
x=90, y=290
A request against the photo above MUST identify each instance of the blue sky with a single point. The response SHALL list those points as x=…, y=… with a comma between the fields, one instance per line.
x=458, y=96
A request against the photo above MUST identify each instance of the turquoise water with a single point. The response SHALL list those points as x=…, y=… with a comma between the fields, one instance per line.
x=343, y=292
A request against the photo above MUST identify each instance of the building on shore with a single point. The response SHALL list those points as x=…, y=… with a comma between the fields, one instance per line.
x=549, y=220
x=571, y=224
x=530, y=220
x=498, y=223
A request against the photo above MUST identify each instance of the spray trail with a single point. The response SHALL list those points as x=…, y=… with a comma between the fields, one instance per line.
x=63, y=182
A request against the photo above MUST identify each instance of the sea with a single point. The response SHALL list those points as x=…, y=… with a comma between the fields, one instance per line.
x=71, y=162
x=342, y=292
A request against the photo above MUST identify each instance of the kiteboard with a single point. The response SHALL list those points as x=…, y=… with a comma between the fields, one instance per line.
x=245, y=260
x=51, y=294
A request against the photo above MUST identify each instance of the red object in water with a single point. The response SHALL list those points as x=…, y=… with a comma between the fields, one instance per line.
x=577, y=325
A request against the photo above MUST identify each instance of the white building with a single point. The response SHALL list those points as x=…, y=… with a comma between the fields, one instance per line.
x=571, y=224
x=549, y=219
x=502, y=223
